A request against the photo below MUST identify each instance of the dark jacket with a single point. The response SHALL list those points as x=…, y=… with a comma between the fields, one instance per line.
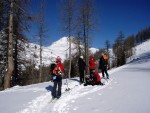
x=102, y=63
x=81, y=64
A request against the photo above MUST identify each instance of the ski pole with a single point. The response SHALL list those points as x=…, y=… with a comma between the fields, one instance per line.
x=67, y=89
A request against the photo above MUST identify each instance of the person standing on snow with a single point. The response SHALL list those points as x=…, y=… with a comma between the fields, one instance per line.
x=103, y=64
x=57, y=73
x=92, y=64
x=81, y=66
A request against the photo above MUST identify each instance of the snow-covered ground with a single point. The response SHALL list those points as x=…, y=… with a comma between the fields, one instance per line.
x=126, y=92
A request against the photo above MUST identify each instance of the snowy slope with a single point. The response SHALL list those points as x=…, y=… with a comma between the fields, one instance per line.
x=58, y=48
x=140, y=50
x=126, y=92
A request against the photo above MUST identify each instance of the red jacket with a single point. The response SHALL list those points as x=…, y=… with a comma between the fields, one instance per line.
x=92, y=63
x=97, y=76
x=60, y=67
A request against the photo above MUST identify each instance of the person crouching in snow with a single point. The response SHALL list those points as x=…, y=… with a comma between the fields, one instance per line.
x=57, y=71
x=94, y=79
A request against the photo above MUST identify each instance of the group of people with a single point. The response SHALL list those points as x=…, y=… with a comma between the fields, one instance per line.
x=94, y=77
x=57, y=72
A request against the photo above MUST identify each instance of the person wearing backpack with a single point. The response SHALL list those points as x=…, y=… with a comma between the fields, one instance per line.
x=103, y=64
x=57, y=72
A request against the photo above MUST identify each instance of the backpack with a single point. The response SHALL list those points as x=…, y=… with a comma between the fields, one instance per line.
x=55, y=72
x=52, y=66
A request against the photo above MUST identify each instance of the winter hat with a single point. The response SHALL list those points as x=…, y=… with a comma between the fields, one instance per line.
x=81, y=57
x=58, y=59
x=91, y=57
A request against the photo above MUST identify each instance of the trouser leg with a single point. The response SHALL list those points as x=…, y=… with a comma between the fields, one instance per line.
x=81, y=76
x=105, y=70
x=103, y=73
x=91, y=71
x=59, y=88
x=54, y=89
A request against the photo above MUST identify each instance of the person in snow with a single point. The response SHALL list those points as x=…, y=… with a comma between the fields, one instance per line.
x=57, y=71
x=92, y=64
x=95, y=79
x=103, y=64
x=81, y=66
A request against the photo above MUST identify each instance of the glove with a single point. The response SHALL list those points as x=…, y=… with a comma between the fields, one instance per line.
x=54, y=77
x=61, y=74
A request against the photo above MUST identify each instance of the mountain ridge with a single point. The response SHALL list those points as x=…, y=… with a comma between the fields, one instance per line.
x=49, y=53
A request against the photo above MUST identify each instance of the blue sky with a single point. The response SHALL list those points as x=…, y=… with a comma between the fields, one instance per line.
x=128, y=16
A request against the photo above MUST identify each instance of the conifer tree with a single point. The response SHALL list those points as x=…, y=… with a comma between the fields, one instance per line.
x=4, y=15
x=86, y=21
x=118, y=49
x=107, y=44
x=68, y=24
x=129, y=44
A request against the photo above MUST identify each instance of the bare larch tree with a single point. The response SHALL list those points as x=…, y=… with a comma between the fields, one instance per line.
x=10, y=65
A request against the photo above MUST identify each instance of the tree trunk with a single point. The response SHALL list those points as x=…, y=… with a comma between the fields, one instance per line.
x=88, y=70
x=85, y=46
x=41, y=35
x=69, y=57
x=40, y=77
x=10, y=64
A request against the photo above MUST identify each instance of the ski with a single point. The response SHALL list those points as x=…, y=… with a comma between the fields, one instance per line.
x=107, y=79
x=53, y=100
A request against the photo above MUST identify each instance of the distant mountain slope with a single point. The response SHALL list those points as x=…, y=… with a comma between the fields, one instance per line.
x=58, y=48
x=140, y=50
